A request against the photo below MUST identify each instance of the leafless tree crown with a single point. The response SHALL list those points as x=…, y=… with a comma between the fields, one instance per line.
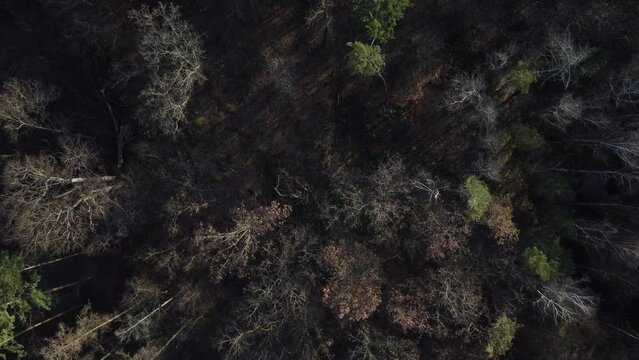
x=56, y=201
x=563, y=56
x=565, y=301
x=173, y=57
x=23, y=104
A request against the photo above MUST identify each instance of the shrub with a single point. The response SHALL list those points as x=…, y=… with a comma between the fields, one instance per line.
x=365, y=60
x=518, y=80
x=553, y=187
x=501, y=336
x=478, y=197
x=526, y=138
x=540, y=264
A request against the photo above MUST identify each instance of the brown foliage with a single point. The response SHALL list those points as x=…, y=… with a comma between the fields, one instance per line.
x=448, y=304
x=500, y=220
x=408, y=306
x=353, y=291
x=444, y=234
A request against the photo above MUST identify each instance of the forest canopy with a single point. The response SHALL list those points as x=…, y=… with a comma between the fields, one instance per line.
x=321, y=179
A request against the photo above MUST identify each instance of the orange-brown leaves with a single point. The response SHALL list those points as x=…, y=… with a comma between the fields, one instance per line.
x=407, y=306
x=353, y=291
x=500, y=220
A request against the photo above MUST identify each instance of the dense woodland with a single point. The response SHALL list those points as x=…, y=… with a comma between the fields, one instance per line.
x=319, y=179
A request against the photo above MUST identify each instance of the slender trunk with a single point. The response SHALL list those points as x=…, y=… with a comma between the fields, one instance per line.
x=119, y=134
x=385, y=86
x=607, y=204
x=62, y=287
x=173, y=338
x=100, y=178
x=48, y=320
x=43, y=128
x=623, y=177
x=96, y=328
x=165, y=303
x=50, y=262
x=106, y=356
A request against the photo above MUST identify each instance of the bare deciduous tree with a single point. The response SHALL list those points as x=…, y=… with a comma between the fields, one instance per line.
x=491, y=166
x=278, y=302
x=571, y=109
x=465, y=89
x=380, y=200
x=457, y=304
x=563, y=56
x=605, y=236
x=500, y=58
x=319, y=20
x=568, y=109
x=231, y=251
x=371, y=344
x=271, y=305
x=443, y=234
x=81, y=341
x=566, y=302
x=390, y=185
x=173, y=57
x=623, y=143
x=625, y=91
x=23, y=104
x=54, y=202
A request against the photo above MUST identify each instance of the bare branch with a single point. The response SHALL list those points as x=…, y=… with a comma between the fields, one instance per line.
x=23, y=104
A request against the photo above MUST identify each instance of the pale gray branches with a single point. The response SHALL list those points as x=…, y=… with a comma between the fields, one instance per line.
x=470, y=90
x=173, y=56
x=381, y=199
x=466, y=89
x=81, y=341
x=571, y=109
x=607, y=237
x=565, y=301
x=371, y=344
x=54, y=202
x=23, y=104
x=563, y=56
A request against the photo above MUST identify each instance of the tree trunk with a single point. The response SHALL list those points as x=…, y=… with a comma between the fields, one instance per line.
x=34, y=326
x=165, y=303
x=97, y=328
x=50, y=262
x=66, y=286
